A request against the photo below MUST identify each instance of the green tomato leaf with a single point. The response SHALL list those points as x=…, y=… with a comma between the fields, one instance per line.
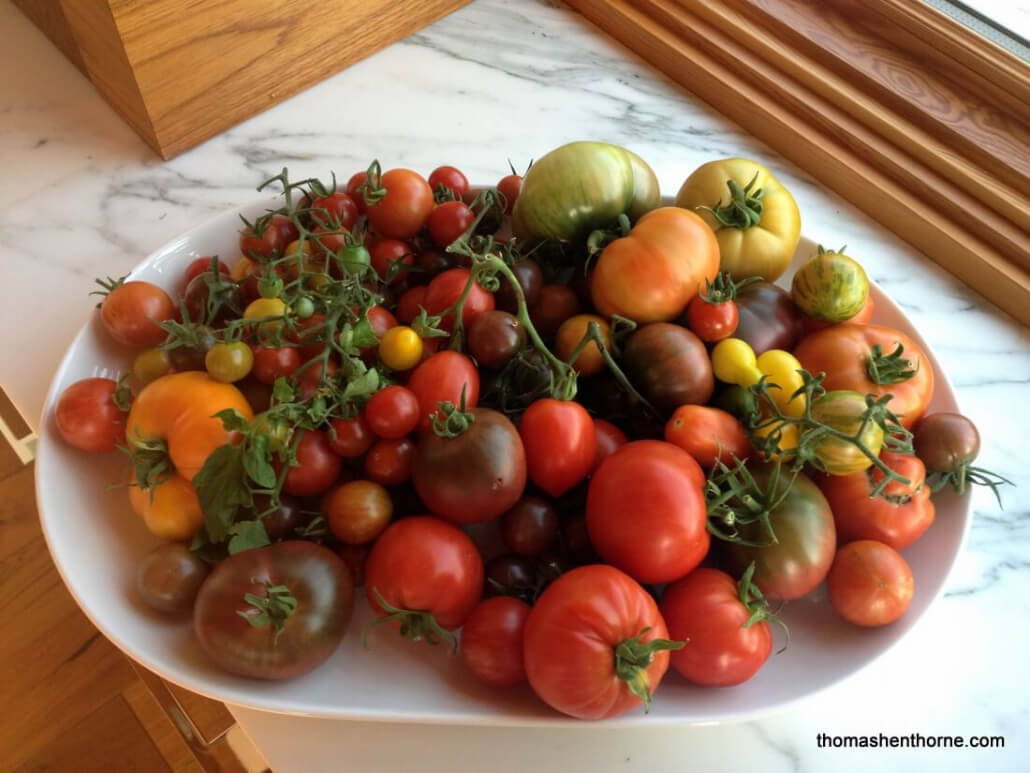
x=282, y=391
x=363, y=386
x=257, y=462
x=247, y=535
x=232, y=420
x=221, y=488
x=364, y=335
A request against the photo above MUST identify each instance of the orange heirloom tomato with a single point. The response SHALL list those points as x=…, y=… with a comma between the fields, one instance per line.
x=651, y=275
x=845, y=353
x=179, y=410
x=170, y=510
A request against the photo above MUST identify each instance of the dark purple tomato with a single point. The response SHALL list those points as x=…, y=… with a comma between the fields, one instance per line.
x=494, y=337
x=531, y=279
x=768, y=318
x=669, y=365
x=530, y=527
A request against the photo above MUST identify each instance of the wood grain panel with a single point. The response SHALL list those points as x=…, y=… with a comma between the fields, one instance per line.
x=49, y=17
x=931, y=168
x=107, y=65
x=767, y=102
x=900, y=71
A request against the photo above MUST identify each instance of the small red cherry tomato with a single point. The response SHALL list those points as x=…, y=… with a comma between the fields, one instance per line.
x=317, y=466
x=609, y=439
x=272, y=362
x=392, y=412
x=449, y=177
x=491, y=641
x=389, y=461
x=351, y=438
x=87, y=417
x=443, y=377
x=445, y=290
x=448, y=221
x=712, y=322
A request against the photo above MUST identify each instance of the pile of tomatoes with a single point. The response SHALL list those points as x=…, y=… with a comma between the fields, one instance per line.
x=582, y=428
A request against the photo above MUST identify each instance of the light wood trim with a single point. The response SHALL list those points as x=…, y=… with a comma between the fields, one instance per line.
x=107, y=64
x=703, y=45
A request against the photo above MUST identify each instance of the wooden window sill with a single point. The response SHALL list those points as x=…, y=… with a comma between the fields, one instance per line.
x=897, y=107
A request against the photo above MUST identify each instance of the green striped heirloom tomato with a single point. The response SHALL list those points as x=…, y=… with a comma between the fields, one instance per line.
x=830, y=286
x=580, y=187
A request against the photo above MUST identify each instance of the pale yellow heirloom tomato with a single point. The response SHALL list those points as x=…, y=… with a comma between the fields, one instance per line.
x=755, y=219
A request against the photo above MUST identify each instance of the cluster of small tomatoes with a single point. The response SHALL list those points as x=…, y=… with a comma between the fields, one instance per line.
x=530, y=438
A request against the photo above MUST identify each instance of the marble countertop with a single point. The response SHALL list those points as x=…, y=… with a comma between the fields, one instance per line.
x=81, y=196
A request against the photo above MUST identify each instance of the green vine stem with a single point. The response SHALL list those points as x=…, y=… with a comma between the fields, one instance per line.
x=632, y=659
x=416, y=625
x=724, y=289
x=744, y=209
x=450, y=421
x=593, y=333
x=767, y=432
x=734, y=498
x=965, y=475
x=757, y=605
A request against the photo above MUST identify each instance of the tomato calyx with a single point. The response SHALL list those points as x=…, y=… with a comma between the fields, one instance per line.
x=416, y=625
x=965, y=475
x=372, y=190
x=451, y=421
x=757, y=605
x=602, y=237
x=632, y=659
x=723, y=288
x=274, y=608
x=743, y=210
x=893, y=368
x=122, y=395
x=151, y=463
x=107, y=286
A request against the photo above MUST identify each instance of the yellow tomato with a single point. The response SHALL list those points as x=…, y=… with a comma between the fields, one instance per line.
x=170, y=510
x=589, y=362
x=263, y=308
x=242, y=268
x=782, y=369
x=734, y=362
x=400, y=348
x=756, y=220
x=179, y=410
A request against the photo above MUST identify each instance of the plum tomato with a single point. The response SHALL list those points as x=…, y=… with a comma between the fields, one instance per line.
x=392, y=412
x=491, y=641
x=87, y=417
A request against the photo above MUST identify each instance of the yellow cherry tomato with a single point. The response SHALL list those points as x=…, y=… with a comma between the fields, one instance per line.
x=734, y=362
x=241, y=268
x=151, y=364
x=262, y=308
x=782, y=369
x=170, y=510
x=400, y=348
x=229, y=362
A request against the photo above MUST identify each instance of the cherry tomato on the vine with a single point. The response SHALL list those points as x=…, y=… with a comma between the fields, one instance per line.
x=510, y=186
x=409, y=304
x=712, y=322
x=388, y=462
x=402, y=211
x=392, y=412
x=131, y=313
x=201, y=265
x=317, y=466
x=229, y=362
x=445, y=290
x=400, y=348
x=354, y=184
x=272, y=362
x=450, y=220
x=449, y=177
x=351, y=438
x=390, y=256
x=444, y=376
x=491, y=641
x=340, y=211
